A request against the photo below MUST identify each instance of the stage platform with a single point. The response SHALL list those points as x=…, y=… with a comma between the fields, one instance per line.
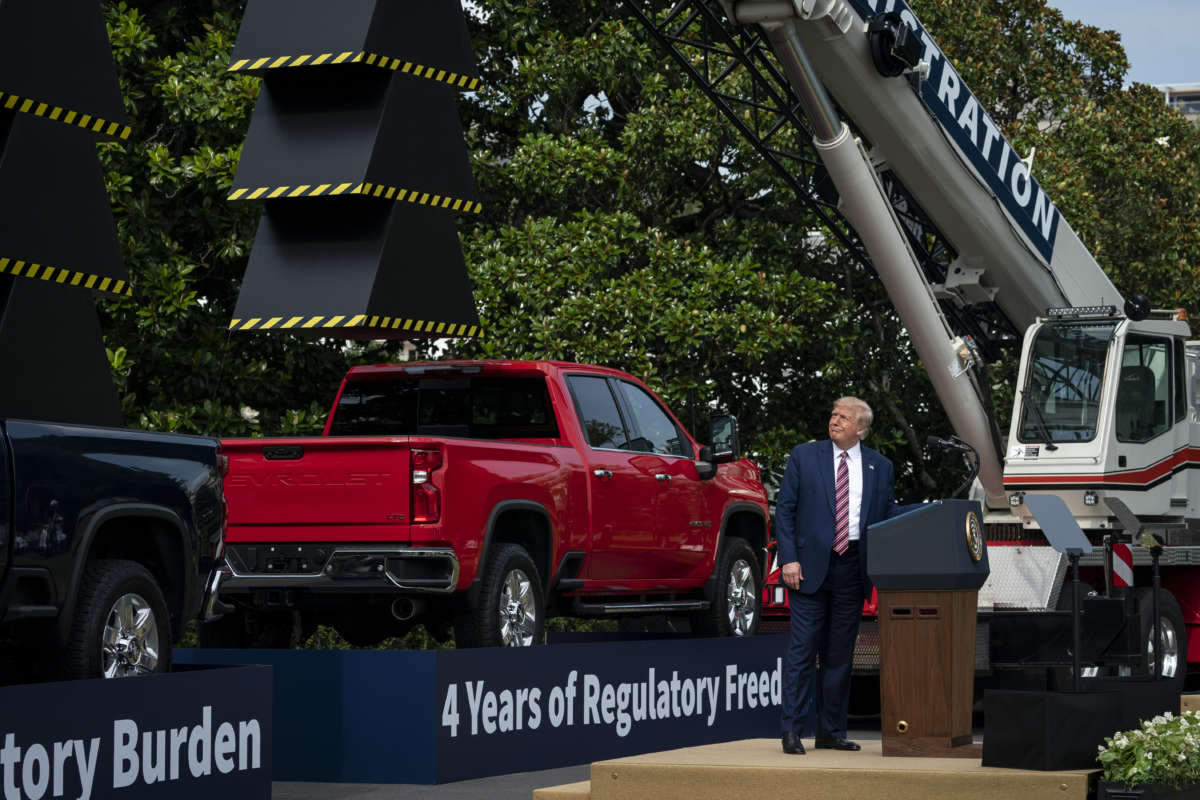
x=759, y=768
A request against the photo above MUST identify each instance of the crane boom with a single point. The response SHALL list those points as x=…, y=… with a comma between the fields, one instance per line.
x=1010, y=237
x=947, y=168
x=864, y=202
x=970, y=248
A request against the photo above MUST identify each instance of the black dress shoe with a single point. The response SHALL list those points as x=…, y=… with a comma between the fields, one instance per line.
x=792, y=744
x=837, y=744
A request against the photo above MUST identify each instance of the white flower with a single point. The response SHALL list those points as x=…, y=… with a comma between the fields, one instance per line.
x=249, y=414
x=1181, y=757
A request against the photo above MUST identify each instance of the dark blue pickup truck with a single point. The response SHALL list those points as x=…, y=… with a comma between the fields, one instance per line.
x=107, y=542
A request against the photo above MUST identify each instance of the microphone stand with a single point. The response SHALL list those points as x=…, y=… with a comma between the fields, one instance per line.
x=972, y=464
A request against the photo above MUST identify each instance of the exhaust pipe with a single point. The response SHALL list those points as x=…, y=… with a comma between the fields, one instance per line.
x=405, y=608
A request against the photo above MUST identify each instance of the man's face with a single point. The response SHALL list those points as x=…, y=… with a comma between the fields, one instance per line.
x=843, y=427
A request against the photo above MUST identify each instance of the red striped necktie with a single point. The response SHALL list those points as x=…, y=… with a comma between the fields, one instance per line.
x=841, y=529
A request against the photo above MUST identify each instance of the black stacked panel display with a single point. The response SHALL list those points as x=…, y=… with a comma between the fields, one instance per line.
x=59, y=96
x=356, y=152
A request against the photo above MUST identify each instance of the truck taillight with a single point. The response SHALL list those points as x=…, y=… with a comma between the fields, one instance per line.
x=218, y=546
x=426, y=499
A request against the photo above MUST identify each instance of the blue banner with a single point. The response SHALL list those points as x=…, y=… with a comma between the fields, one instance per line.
x=390, y=716
x=199, y=734
x=519, y=710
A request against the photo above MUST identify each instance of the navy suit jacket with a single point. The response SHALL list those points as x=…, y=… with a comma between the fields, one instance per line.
x=804, y=509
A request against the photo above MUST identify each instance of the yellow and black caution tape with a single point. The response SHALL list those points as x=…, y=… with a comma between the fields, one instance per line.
x=365, y=189
x=24, y=269
x=25, y=105
x=361, y=57
x=416, y=326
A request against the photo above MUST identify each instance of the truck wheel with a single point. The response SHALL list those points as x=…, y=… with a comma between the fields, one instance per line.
x=511, y=608
x=121, y=624
x=1172, y=635
x=735, y=608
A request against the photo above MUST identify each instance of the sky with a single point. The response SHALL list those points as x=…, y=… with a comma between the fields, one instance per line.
x=1159, y=35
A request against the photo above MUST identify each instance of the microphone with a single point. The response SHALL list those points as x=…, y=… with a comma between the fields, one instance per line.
x=948, y=444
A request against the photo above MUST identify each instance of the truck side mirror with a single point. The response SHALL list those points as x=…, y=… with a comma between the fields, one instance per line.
x=705, y=467
x=723, y=434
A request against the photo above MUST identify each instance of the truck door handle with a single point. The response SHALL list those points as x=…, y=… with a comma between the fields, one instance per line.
x=662, y=476
x=602, y=473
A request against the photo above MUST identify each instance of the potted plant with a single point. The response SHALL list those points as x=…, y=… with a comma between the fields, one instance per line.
x=1159, y=760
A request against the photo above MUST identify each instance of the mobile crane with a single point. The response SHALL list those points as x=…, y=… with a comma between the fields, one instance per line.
x=976, y=258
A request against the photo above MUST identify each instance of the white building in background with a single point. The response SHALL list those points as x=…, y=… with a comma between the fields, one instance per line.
x=1183, y=96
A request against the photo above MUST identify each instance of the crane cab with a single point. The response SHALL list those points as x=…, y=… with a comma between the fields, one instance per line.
x=1105, y=407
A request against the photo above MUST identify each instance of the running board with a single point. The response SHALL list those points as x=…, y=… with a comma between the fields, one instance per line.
x=667, y=606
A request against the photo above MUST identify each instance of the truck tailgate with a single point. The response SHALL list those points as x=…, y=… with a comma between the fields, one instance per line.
x=318, y=489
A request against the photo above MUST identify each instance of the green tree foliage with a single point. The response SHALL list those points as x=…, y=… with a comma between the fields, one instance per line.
x=631, y=225
x=625, y=223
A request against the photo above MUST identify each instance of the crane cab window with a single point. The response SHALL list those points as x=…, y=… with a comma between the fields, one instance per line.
x=1061, y=398
x=1144, y=389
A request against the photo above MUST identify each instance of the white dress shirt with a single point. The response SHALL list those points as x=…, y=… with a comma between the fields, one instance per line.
x=854, y=465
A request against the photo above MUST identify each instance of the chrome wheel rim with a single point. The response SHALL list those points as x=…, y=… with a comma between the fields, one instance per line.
x=129, y=645
x=518, y=610
x=740, y=598
x=1169, y=639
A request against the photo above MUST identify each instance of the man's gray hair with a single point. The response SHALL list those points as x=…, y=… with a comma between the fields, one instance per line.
x=864, y=416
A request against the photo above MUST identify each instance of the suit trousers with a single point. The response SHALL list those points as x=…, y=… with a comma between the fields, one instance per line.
x=824, y=627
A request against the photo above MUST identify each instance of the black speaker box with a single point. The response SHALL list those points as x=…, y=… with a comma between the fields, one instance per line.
x=1063, y=730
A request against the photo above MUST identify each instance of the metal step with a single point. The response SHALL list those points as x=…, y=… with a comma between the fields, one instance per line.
x=658, y=607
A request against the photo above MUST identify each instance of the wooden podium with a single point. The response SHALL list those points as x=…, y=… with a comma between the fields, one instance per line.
x=928, y=566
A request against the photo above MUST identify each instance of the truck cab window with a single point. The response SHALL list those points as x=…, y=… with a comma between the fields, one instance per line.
x=1144, y=389
x=1066, y=373
x=598, y=411
x=376, y=408
x=656, y=432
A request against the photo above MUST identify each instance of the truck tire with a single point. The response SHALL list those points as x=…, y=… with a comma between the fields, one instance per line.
x=121, y=625
x=1172, y=635
x=511, y=608
x=735, y=609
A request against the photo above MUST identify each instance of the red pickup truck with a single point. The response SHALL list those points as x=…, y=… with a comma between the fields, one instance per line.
x=489, y=495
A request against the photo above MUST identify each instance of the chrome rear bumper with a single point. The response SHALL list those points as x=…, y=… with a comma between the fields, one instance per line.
x=431, y=570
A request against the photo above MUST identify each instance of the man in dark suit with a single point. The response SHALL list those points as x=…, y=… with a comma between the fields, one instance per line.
x=832, y=490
